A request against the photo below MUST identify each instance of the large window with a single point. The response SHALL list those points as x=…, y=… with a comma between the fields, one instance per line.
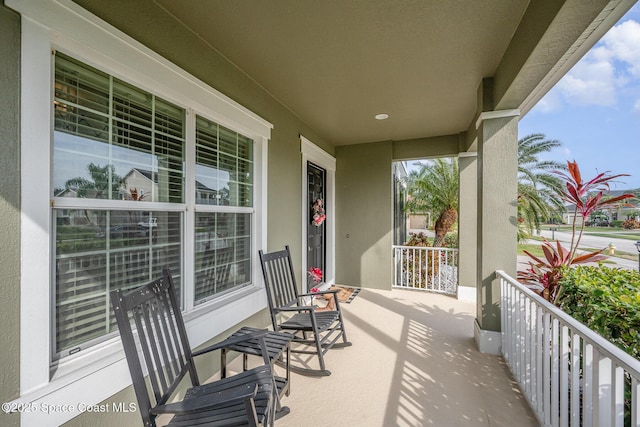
x=122, y=204
x=112, y=193
x=224, y=189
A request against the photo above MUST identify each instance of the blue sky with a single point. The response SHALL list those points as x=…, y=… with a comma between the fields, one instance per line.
x=594, y=111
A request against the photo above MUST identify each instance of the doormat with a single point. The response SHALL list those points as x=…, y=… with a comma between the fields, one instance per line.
x=346, y=294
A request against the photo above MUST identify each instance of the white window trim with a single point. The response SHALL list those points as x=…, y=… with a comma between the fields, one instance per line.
x=99, y=373
x=316, y=155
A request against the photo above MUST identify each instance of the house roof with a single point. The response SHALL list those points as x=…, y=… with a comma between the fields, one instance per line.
x=151, y=176
x=336, y=64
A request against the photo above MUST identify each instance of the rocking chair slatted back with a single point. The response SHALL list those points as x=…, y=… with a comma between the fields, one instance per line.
x=154, y=311
x=282, y=290
x=316, y=330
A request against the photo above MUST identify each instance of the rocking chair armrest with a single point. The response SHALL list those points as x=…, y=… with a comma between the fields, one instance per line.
x=208, y=401
x=297, y=308
x=232, y=341
x=328, y=291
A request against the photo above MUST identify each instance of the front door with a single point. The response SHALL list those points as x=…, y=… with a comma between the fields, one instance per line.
x=316, y=223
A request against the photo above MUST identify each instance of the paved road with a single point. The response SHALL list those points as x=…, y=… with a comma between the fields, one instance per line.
x=588, y=242
x=598, y=242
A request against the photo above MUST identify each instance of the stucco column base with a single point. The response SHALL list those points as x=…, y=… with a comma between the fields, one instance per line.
x=487, y=341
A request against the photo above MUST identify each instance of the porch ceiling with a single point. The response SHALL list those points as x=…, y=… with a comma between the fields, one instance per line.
x=336, y=64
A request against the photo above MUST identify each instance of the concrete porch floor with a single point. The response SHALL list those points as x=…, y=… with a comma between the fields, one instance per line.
x=413, y=363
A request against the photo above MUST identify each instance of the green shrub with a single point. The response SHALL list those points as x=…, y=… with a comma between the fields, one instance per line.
x=422, y=267
x=617, y=223
x=451, y=239
x=418, y=239
x=606, y=300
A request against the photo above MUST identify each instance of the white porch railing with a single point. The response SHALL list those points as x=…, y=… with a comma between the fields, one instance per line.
x=426, y=268
x=570, y=375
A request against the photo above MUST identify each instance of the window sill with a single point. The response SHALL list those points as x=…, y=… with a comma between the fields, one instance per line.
x=93, y=377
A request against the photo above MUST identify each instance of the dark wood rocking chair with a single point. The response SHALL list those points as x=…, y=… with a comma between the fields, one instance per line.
x=152, y=313
x=320, y=330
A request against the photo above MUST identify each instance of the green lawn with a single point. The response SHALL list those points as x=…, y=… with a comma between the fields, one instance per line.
x=630, y=235
x=535, y=249
x=599, y=231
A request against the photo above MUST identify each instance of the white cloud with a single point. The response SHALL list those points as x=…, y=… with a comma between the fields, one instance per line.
x=550, y=102
x=623, y=41
x=590, y=82
x=612, y=64
x=636, y=106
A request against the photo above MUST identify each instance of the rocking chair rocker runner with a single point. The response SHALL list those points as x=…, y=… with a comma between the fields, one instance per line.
x=325, y=327
x=248, y=398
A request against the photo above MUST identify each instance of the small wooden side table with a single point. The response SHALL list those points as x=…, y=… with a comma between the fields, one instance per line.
x=278, y=345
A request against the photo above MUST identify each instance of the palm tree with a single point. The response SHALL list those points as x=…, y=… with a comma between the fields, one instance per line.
x=104, y=183
x=435, y=188
x=539, y=190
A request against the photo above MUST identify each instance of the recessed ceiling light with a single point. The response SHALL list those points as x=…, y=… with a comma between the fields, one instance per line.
x=382, y=116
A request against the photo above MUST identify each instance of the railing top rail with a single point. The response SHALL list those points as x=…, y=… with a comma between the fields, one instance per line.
x=424, y=247
x=628, y=362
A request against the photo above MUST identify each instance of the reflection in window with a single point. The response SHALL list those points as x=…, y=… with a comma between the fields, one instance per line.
x=224, y=166
x=119, y=144
x=101, y=250
x=222, y=253
x=113, y=141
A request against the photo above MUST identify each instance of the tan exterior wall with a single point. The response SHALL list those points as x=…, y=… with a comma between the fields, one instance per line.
x=418, y=222
x=150, y=25
x=467, y=225
x=496, y=214
x=10, y=210
x=364, y=234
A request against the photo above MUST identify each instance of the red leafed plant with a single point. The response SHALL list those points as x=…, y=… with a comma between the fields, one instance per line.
x=316, y=274
x=546, y=273
x=587, y=197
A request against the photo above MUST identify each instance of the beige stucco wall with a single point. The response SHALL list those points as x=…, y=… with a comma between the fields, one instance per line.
x=496, y=213
x=9, y=210
x=146, y=22
x=364, y=233
x=467, y=224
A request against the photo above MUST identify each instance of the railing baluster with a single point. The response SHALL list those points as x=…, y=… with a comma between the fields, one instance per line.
x=570, y=375
x=604, y=394
x=635, y=402
x=618, y=396
x=426, y=268
x=555, y=373
x=589, y=386
x=546, y=368
x=576, y=346
x=539, y=360
x=564, y=377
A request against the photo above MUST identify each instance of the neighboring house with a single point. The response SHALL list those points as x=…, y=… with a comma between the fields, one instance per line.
x=275, y=103
x=616, y=212
x=142, y=182
x=420, y=221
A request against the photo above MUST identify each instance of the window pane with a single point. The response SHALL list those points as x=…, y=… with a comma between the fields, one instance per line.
x=224, y=159
x=222, y=253
x=98, y=251
x=114, y=141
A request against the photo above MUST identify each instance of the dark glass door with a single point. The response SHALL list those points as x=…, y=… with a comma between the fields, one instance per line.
x=316, y=221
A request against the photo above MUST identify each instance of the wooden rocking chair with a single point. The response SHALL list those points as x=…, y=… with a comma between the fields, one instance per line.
x=288, y=313
x=248, y=398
